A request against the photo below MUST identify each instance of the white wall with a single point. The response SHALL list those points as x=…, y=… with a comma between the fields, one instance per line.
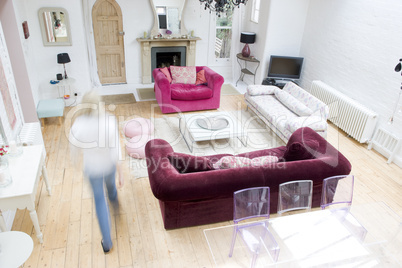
x=137, y=18
x=279, y=31
x=354, y=46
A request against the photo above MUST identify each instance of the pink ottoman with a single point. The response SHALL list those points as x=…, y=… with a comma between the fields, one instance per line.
x=139, y=130
x=138, y=126
x=136, y=145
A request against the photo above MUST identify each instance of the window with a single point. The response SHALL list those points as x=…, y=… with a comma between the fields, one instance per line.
x=255, y=12
x=223, y=38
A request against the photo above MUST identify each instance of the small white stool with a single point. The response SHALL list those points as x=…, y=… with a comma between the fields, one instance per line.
x=50, y=108
x=15, y=248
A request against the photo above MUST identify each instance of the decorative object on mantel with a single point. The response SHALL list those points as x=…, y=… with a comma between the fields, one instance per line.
x=5, y=177
x=221, y=6
x=63, y=58
x=247, y=38
x=398, y=69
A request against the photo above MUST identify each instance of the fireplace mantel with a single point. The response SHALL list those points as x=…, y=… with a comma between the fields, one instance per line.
x=147, y=44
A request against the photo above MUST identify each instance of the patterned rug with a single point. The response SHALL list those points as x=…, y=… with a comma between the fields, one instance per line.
x=147, y=94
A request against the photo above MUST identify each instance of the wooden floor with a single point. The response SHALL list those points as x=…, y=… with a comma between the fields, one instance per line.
x=68, y=219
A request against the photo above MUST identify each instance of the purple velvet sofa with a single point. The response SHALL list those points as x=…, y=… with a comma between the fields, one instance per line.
x=196, y=198
x=174, y=98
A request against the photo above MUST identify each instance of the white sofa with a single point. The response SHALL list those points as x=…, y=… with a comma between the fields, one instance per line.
x=284, y=111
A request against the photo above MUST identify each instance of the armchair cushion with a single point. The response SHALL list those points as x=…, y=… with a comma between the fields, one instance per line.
x=183, y=75
x=190, y=92
x=201, y=80
x=166, y=72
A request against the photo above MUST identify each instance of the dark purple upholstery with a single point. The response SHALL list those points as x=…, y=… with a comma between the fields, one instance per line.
x=197, y=198
x=174, y=98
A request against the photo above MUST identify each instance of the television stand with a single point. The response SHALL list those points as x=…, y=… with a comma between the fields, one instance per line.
x=274, y=82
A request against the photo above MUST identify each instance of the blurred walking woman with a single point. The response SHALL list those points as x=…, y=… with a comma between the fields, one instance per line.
x=94, y=133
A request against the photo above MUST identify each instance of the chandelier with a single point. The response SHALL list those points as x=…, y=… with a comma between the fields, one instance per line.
x=221, y=6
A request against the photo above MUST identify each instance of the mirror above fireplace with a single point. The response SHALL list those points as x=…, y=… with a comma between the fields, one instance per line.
x=168, y=16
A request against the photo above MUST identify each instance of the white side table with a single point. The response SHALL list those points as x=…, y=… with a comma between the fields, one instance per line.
x=25, y=171
x=64, y=86
x=15, y=248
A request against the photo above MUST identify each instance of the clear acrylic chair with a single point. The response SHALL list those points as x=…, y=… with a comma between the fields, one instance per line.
x=295, y=195
x=337, y=190
x=253, y=203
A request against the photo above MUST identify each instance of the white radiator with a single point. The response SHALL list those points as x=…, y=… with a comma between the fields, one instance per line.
x=385, y=143
x=31, y=134
x=352, y=117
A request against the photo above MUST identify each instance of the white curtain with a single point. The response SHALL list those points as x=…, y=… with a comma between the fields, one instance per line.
x=93, y=68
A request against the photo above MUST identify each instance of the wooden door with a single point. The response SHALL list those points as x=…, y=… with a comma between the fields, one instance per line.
x=109, y=41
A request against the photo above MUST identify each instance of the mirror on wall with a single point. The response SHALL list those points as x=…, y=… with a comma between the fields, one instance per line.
x=55, y=26
x=168, y=16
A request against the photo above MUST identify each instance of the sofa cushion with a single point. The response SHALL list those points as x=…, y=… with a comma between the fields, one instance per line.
x=183, y=74
x=313, y=122
x=255, y=90
x=264, y=161
x=186, y=163
x=238, y=161
x=292, y=103
x=232, y=162
x=166, y=72
x=201, y=80
x=190, y=92
x=307, y=99
x=301, y=150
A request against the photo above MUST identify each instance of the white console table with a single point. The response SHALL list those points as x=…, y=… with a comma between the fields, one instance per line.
x=25, y=171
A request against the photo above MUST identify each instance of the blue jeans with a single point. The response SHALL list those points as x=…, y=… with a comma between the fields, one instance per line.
x=102, y=208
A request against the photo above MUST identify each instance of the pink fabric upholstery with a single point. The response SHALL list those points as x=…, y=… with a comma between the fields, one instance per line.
x=173, y=98
x=136, y=145
x=138, y=126
x=190, y=92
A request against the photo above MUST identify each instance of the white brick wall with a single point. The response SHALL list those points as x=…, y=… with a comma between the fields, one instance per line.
x=354, y=46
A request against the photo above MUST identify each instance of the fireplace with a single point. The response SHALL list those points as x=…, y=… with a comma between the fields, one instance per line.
x=167, y=56
x=175, y=51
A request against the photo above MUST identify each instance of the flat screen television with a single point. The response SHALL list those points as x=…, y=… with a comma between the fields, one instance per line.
x=285, y=67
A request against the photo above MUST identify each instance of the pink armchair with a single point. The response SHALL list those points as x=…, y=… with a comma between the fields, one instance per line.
x=173, y=98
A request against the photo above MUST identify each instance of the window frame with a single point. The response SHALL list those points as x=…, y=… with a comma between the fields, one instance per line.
x=255, y=10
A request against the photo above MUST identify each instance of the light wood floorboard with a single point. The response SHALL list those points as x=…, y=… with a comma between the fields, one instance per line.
x=68, y=218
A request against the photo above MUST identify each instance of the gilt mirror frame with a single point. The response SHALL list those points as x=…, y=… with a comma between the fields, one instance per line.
x=155, y=28
x=44, y=27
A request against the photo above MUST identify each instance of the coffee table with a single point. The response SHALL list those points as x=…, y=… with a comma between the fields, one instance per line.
x=193, y=132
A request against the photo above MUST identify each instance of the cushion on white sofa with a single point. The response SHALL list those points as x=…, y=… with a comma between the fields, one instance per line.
x=313, y=122
x=254, y=90
x=292, y=103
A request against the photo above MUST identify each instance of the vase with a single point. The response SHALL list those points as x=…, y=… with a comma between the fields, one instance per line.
x=5, y=176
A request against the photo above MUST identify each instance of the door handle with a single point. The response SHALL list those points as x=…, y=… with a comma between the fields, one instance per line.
x=122, y=33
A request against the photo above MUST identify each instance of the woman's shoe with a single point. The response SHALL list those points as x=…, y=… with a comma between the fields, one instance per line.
x=104, y=250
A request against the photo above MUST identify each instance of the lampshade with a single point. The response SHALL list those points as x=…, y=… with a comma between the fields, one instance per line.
x=63, y=58
x=247, y=38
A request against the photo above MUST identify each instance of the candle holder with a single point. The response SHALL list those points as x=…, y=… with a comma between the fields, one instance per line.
x=5, y=176
x=15, y=147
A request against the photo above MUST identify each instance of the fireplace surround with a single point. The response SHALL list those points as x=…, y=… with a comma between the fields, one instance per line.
x=188, y=44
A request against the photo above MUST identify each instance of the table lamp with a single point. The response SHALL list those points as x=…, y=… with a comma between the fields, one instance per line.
x=63, y=58
x=247, y=38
